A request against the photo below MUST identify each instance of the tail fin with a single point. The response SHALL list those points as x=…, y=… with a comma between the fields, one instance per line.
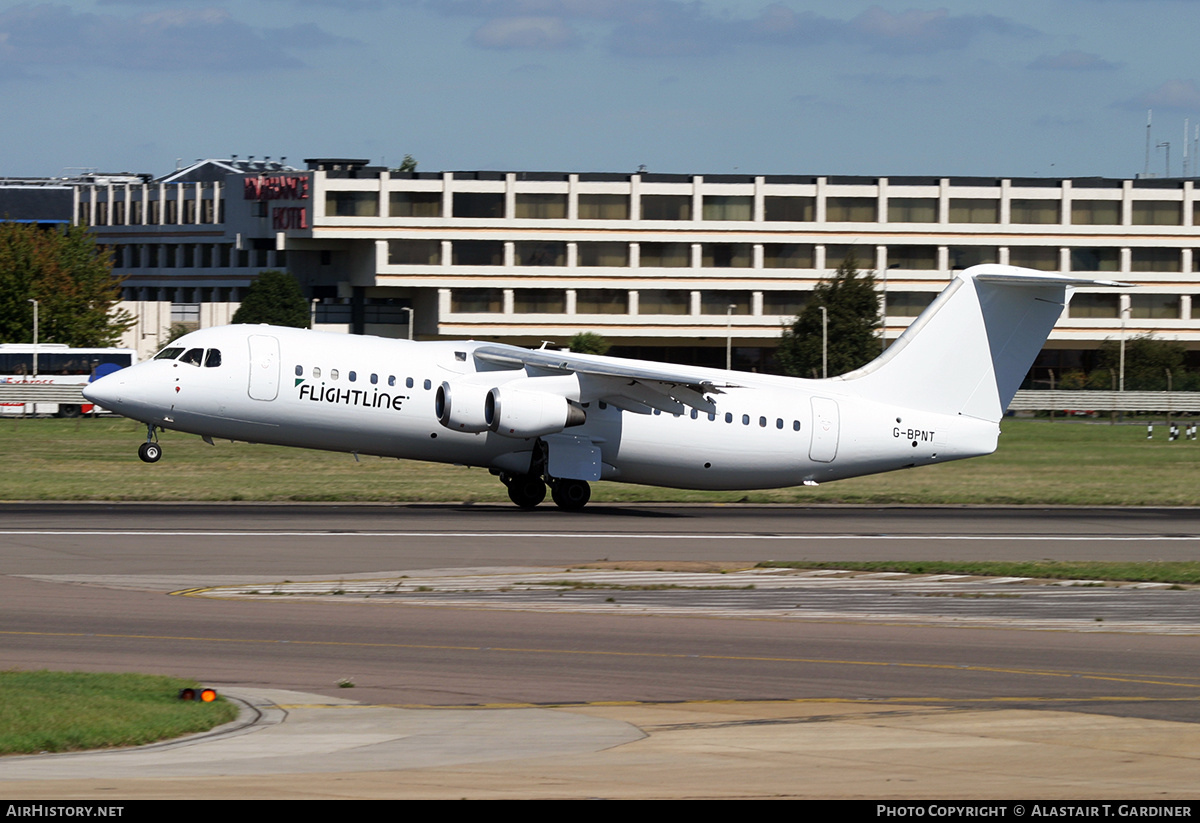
x=970, y=349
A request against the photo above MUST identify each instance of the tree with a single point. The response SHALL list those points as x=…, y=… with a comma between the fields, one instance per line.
x=409, y=163
x=71, y=278
x=1147, y=360
x=587, y=342
x=849, y=297
x=274, y=297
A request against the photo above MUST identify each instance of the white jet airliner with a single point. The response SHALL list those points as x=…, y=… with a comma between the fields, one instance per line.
x=538, y=418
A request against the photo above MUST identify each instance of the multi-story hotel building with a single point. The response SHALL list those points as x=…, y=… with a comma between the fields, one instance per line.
x=664, y=266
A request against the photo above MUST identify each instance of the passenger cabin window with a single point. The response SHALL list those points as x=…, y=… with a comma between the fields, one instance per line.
x=316, y=372
x=193, y=357
x=212, y=358
x=391, y=379
x=408, y=382
x=353, y=376
x=333, y=374
x=299, y=371
x=168, y=354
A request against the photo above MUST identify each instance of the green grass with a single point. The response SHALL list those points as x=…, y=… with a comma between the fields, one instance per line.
x=1183, y=573
x=46, y=711
x=1038, y=462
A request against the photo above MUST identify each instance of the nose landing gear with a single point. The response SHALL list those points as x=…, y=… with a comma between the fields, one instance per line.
x=150, y=451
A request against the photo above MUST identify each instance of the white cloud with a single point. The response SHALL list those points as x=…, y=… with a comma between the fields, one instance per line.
x=534, y=33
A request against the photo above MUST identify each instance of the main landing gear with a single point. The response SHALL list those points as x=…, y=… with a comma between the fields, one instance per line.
x=150, y=451
x=528, y=490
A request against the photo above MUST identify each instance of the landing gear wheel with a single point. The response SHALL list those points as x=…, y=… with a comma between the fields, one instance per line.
x=571, y=495
x=150, y=452
x=526, y=490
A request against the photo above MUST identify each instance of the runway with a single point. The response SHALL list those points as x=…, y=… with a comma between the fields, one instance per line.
x=85, y=586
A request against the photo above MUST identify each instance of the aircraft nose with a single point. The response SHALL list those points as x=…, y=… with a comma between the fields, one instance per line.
x=102, y=391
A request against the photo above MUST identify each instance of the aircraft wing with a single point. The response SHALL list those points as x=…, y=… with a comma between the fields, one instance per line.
x=628, y=385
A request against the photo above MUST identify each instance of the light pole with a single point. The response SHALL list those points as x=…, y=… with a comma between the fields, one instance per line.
x=410, y=320
x=824, y=342
x=35, y=336
x=1121, y=378
x=729, y=337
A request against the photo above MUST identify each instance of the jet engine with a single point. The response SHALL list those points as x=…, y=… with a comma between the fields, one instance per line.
x=461, y=407
x=517, y=413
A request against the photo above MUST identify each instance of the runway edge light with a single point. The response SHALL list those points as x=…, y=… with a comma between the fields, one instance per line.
x=203, y=695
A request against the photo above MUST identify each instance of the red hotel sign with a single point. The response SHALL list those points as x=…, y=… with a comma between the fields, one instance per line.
x=280, y=187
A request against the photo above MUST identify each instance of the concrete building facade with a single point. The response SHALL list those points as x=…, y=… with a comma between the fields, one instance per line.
x=663, y=266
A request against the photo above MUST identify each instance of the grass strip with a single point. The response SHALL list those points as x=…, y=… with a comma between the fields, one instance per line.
x=1181, y=573
x=45, y=711
x=1039, y=462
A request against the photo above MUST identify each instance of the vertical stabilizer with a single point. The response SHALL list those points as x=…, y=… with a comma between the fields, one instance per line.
x=970, y=349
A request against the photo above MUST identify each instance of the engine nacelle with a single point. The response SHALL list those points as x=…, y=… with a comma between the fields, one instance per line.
x=518, y=413
x=461, y=407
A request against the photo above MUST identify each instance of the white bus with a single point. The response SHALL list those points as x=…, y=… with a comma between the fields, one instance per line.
x=49, y=363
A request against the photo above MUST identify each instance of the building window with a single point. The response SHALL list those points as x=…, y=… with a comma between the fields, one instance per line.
x=186, y=314
x=912, y=210
x=603, y=254
x=718, y=302
x=539, y=301
x=542, y=206
x=1096, y=212
x=728, y=207
x=332, y=312
x=850, y=209
x=923, y=258
x=836, y=254
x=477, y=301
x=784, y=303
x=788, y=255
x=974, y=210
x=1042, y=258
x=726, y=255
x=790, y=209
x=963, y=257
x=663, y=301
x=667, y=255
x=666, y=207
x=1035, y=211
x=908, y=303
x=350, y=204
x=1095, y=305
x=477, y=253
x=189, y=211
x=415, y=252
x=601, y=301
x=478, y=204
x=540, y=253
x=1155, y=259
x=1096, y=260
x=415, y=204
x=1157, y=213
x=1154, y=306
x=603, y=207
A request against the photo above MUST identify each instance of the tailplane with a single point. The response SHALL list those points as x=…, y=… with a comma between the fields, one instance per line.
x=970, y=349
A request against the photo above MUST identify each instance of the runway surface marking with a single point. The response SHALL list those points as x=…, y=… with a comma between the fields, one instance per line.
x=954, y=667
x=602, y=535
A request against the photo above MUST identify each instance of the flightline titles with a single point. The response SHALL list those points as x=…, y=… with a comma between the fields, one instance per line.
x=1034, y=810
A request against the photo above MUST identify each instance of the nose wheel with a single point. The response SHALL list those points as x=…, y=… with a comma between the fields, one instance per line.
x=150, y=451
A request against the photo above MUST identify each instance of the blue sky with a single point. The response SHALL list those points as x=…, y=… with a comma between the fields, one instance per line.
x=1020, y=88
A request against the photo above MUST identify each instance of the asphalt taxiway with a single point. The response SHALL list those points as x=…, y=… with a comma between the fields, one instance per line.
x=88, y=586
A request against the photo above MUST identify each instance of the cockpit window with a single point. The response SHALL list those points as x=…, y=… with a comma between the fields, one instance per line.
x=193, y=357
x=169, y=353
x=212, y=358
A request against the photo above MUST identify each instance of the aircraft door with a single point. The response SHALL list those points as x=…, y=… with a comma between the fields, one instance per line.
x=264, y=367
x=824, y=446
